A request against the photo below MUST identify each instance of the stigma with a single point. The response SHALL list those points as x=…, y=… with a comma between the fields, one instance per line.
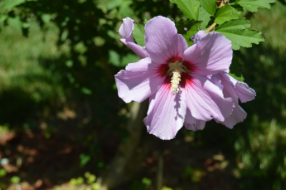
x=175, y=80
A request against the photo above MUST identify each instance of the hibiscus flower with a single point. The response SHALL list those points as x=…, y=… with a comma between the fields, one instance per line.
x=175, y=78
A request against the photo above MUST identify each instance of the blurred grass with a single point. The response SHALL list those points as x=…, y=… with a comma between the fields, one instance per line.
x=26, y=85
x=20, y=66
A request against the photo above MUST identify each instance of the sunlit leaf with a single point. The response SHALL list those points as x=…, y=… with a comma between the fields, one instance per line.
x=209, y=5
x=237, y=77
x=95, y=186
x=2, y=172
x=238, y=24
x=9, y=4
x=125, y=9
x=91, y=179
x=99, y=41
x=167, y=188
x=15, y=23
x=129, y=58
x=114, y=58
x=205, y=17
x=15, y=179
x=226, y=13
x=79, y=181
x=110, y=4
x=73, y=182
x=253, y=5
x=139, y=34
x=69, y=63
x=190, y=8
x=3, y=18
x=146, y=181
x=46, y=18
x=237, y=33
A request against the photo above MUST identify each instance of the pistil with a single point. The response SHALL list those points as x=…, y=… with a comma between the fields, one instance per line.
x=176, y=78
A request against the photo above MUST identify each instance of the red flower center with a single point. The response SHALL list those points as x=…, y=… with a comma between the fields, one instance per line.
x=176, y=64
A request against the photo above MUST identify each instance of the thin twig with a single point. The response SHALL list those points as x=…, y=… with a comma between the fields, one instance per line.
x=212, y=27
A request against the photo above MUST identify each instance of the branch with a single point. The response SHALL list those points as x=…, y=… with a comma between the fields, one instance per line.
x=211, y=27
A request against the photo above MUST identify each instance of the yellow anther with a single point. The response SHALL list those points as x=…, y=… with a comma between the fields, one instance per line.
x=176, y=78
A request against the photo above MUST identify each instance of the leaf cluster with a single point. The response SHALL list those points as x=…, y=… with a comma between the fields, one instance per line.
x=225, y=17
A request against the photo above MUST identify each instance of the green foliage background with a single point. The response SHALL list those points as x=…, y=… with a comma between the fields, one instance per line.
x=62, y=55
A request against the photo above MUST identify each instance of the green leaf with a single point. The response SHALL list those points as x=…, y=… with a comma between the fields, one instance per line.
x=205, y=17
x=3, y=17
x=129, y=58
x=235, y=71
x=46, y=18
x=190, y=8
x=125, y=9
x=84, y=159
x=69, y=63
x=146, y=181
x=139, y=34
x=114, y=58
x=239, y=77
x=209, y=5
x=238, y=24
x=111, y=4
x=226, y=13
x=91, y=179
x=15, y=23
x=191, y=32
x=188, y=29
x=95, y=186
x=236, y=31
x=73, y=182
x=9, y=4
x=253, y=5
x=79, y=181
x=184, y=25
x=86, y=91
x=167, y=188
x=15, y=179
x=2, y=172
x=146, y=20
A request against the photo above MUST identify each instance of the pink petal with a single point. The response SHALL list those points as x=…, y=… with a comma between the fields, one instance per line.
x=193, y=124
x=125, y=31
x=210, y=55
x=138, y=82
x=166, y=113
x=243, y=91
x=139, y=50
x=238, y=115
x=206, y=101
x=162, y=41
